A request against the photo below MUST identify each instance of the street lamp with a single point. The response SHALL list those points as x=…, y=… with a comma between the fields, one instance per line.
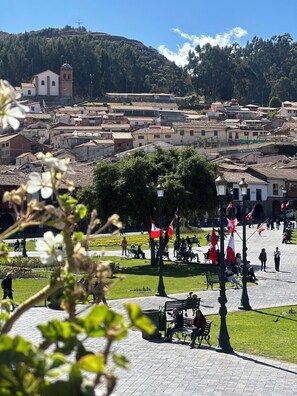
x=223, y=339
x=244, y=296
x=284, y=191
x=91, y=87
x=161, y=288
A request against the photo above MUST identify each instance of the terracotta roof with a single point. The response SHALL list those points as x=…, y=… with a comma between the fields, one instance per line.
x=275, y=172
x=235, y=177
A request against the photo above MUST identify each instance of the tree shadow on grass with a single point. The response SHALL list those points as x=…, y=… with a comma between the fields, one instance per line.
x=170, y=269
x=276, y=315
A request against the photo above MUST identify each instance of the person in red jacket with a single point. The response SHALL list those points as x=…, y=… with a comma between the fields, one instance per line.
x=198, y=325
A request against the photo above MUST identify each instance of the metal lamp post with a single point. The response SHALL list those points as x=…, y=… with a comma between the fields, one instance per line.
x=223, y=339
x=284, y=191
x=161, y=288
x=91, y=86
x=245, y=305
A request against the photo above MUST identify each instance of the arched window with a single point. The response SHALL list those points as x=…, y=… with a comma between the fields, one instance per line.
x=29, y=91
x=42, y=82
x=64, y=76
x=69, y=76
x=53, y=83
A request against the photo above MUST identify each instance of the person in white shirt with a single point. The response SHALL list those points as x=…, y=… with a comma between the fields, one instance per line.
x=277, y=254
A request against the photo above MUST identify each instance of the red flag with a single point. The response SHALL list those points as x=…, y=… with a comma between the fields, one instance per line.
x=230, y=253
x=232, y=225
x=170, y=229
x=230, y=205
x=249, y=215
x=213, y=250
x=282, y=206
x=155, y=232
x=287, y=204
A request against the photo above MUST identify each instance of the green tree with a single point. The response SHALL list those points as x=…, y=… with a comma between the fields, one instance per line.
x=275, y=102
x=129, y=185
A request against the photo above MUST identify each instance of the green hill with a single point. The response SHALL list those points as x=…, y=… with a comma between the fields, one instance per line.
x=117, y=63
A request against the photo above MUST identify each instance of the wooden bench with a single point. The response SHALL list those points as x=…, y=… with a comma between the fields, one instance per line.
x=212, y=279
x=186, y=331
x=180, y=305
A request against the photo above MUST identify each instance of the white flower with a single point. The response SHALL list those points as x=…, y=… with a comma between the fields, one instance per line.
x=9, y=114
x=54, y=163
x=42, y=182
x=50, y=248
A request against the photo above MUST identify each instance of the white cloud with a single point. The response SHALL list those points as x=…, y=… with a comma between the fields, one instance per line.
x=181, y=54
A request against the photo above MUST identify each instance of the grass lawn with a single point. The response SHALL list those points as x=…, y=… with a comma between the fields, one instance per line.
x=141, y=279
x=265, y=332
x=113, y=242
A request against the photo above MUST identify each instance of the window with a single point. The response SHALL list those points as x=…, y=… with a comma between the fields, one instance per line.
x=29, y=91
x=255, y=133
x=246, y=133
x=182, y=132
x=236, y=135
x=274, y=189
x=203, y=132
x=32, y=108
x=230, y=136
x=64, y=76
x=42, y=82
x=236, y=194
x=140, y=144
x=248, y=196
x=215, y=133
x=258, y=194
x=140, y=137
x=53, y=83
x=167, y=136
x=191, y=133
x=156, y=136
x=69, y=76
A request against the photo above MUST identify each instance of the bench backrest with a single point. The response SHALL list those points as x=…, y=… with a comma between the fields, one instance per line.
x=181, y=305
x=174, y=304
x=207, y=327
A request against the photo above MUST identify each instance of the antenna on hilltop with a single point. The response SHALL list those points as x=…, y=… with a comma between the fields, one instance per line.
x=78, y=23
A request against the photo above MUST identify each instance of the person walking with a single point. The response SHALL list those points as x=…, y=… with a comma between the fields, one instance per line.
x=263, y=259
x=277, y=254
x=6, y=285
x=124, y=245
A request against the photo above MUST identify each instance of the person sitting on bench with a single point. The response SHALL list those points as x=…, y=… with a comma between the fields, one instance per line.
x=177, y=323
x=140, y=252
x=198, y=325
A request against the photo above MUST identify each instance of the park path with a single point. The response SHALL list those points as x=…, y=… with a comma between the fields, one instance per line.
x=173, y=369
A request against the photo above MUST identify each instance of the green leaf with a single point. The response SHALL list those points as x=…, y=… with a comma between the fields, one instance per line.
x=59, y=331
x=81, y=211
x=92, y=363
x=139, y=319
x=121, y=360
x=78, y=236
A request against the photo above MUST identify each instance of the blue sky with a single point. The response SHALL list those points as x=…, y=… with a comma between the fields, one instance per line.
x=172, y=26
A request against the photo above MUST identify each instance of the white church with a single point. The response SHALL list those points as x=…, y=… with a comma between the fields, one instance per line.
x=49, y=84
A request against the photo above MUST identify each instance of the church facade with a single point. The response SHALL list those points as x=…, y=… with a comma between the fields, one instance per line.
x=50, y=84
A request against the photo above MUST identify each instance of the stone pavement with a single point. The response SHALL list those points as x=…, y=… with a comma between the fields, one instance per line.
x=174, y=369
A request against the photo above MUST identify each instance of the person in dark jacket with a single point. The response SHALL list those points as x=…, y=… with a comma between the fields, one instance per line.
x=7, y=286
x=198, y=325
x=263, y=259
